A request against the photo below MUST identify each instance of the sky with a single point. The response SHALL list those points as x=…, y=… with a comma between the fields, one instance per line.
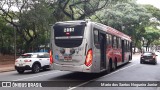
x=155, y=3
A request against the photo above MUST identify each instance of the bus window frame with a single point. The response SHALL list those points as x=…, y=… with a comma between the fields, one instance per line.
x=96, y=44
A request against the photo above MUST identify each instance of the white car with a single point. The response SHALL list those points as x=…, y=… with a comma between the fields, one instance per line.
x=32, y=61
x=157, y=52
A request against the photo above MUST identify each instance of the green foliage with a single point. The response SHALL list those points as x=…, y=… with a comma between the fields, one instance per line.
x=152, y=31
x=132, y=19
x=6, y=33
x=33, y=23
x=154, y=11
x=151, y=35
x=80, y=9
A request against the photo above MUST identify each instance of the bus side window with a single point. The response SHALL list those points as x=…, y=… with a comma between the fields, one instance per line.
x=110, y=40
x=119, y=46
x=117, y=43
x=125, y=45
x=96, y=39
x=107, y=39
x=114, y=42
x=129, y=46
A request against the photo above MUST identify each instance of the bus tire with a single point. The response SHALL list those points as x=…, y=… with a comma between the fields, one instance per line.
x=114, y=65
x=129, y=58
x=109, y=67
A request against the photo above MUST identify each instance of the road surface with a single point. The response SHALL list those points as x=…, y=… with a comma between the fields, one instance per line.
x=133, y=71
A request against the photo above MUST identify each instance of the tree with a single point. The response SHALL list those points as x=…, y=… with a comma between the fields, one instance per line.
x=151, y=35
x=79, y=9
x=6, y=46
x=127, y=17
x=152, y=31
x=33, y=18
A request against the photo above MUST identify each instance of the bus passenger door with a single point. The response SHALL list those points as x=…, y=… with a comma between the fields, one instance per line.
x=100, y=49
x=131, y=50
x=102, y=40
x=123, y=51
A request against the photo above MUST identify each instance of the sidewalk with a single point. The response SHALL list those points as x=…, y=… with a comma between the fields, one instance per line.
x=6, y=63
x=136, y=54
x=7, y=67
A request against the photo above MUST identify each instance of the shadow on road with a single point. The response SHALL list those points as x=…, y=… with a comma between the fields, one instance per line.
x=83, y=76
x=27, y=72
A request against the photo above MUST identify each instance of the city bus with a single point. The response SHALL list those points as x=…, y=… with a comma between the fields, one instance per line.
x=86, y=46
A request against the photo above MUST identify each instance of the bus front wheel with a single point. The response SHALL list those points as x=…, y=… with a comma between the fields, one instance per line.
x=109, y=67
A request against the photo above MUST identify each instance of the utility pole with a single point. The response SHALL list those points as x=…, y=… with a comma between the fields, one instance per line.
x=85, y=2
x=15, y=38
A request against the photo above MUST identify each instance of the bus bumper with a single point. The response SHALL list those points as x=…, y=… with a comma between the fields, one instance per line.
x=81, y=68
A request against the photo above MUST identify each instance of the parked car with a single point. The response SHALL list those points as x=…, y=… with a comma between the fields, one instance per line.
x=157, y=53
x=158, y=50
x=32, y=61
x=148, y=57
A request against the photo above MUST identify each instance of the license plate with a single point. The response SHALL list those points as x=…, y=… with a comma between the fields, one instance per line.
x=20, y=64
x=69, y=58
x=147, y=60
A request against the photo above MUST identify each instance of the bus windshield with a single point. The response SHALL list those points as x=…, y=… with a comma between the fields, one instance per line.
x=68, y=36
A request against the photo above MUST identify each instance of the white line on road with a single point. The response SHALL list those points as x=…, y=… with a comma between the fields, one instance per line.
x=71, y=88
x=36, y=76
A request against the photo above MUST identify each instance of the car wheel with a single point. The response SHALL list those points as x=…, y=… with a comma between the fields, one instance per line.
x=20, y=71
x=141, y=62
x=44, y=69
x=35, y=68
x=155, y=62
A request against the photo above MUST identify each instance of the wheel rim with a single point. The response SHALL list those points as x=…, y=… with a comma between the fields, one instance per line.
x=156, y=62
x=36, y=68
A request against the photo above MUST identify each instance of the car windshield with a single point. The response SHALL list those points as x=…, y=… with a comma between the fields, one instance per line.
x=43, y=55
x=28, y=56
x=37, y=55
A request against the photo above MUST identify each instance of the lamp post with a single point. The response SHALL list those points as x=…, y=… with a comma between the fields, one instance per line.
x=15, y=47
x=15, y=38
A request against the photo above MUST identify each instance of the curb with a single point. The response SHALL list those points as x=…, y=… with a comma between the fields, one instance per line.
x=7, y=68
x=1, y=71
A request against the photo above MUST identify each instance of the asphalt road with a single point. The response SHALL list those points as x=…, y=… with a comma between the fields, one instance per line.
x=133, y=71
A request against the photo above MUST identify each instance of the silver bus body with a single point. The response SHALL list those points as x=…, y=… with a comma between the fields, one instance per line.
x=71, y=55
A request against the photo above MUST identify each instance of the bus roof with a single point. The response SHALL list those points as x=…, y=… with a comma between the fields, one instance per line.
x=113, y=31
x=77, y=22
x=106, y=28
